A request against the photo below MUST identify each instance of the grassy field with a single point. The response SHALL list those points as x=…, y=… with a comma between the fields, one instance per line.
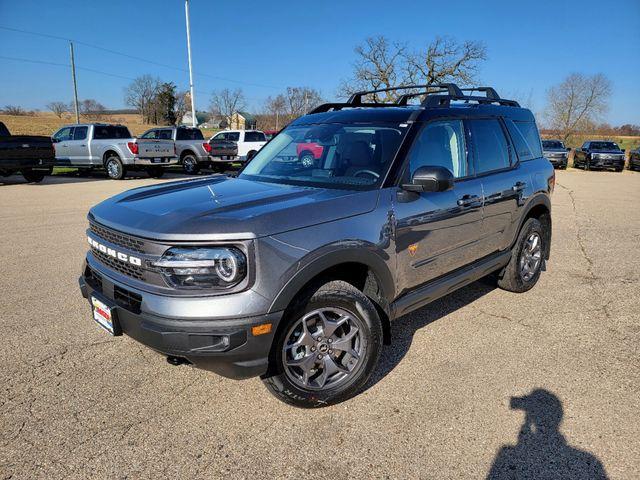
x=44, y=123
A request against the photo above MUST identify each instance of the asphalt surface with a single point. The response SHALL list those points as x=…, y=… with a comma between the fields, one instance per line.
x=76, y=403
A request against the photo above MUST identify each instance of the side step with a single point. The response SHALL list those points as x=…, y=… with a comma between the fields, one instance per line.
x=448, y=283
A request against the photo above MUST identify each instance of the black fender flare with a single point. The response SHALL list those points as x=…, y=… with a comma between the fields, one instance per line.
x=537, y=199
x=331, y=256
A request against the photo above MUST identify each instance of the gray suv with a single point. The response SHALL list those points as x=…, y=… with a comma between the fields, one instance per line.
x=294, y=271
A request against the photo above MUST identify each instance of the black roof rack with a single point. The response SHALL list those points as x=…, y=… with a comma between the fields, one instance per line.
x=436, y=95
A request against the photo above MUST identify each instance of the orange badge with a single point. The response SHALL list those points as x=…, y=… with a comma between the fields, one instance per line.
x=413, y=248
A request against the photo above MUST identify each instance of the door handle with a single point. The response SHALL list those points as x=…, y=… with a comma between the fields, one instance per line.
x=468, y=200
x=519, y=186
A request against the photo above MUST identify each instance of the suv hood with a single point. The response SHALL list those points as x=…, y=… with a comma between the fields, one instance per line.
x=223, y=208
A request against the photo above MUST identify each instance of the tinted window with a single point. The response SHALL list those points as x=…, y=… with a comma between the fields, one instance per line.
x=150, y=134
x=604, y=146
x=233, y=136
x=165, y=134
x=552, y=144
x=218, y=137
x=108, y=132
x=490, y=144
x=530, y=133
x=189, y=134
x=254, y=137
x=63, y=134
x=440, y=144
x=522, y=147
x=80, y=133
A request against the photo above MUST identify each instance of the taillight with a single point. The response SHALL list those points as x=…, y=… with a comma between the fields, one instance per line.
x=207, y=147
x=133, y=147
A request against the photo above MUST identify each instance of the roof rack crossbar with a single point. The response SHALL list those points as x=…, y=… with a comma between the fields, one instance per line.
x=452, y=88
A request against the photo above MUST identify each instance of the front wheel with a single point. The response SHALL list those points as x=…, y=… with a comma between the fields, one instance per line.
x=527, y=257
x=327, y=347
x=190, y=164
x=114, y=167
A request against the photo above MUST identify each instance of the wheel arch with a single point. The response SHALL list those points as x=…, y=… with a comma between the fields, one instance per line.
x=539, y=208
x=363, y=269
x=109, y=152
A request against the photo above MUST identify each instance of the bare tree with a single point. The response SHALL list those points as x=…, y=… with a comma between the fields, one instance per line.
x=92, y=109
x=381, y=63
x=183, y=104
x=15, y=110
x=226, y=103
x=300, y=100
x=140, y=95
x=276, y=110
x=58, y=108
x=575, y=105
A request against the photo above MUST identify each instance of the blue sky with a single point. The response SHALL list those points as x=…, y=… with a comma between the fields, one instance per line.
x=265, y=46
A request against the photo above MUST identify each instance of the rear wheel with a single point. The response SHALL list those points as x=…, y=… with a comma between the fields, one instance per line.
x=251, y=154
x=190, y=164
x=327, y=347
x=114, y=167
x=527, y=257
x=306, y=159
x=35, y=176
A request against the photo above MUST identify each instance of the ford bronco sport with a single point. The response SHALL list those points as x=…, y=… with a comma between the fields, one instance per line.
x=293, y=272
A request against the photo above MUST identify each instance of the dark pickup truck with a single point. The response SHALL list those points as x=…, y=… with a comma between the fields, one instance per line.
x=31, y=155
x=599, y=154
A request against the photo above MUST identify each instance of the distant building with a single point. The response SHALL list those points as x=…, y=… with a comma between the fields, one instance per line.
x=201, y=118
x=239, y=121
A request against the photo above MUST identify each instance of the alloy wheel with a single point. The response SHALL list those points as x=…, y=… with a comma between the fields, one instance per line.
x=323, y=348
x=531, y=257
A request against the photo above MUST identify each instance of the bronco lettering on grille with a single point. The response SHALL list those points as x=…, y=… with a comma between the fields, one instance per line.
x=123, y=257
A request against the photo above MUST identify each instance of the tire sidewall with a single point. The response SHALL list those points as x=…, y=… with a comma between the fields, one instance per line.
x=288, y=391
x=191, y=160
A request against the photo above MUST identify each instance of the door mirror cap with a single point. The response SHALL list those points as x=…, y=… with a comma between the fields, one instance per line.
x=430, y=179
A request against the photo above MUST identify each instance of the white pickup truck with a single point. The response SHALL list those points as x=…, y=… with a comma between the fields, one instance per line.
x=99, y=145
x=235, y=145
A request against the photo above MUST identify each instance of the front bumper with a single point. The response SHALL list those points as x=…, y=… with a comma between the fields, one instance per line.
x=224, y=346
x=616, y=163
x=32, y=163
x=558, y=161
x=227, y=159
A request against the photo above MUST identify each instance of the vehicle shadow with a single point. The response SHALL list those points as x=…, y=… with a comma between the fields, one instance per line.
x=403, y=329
x=542, y=451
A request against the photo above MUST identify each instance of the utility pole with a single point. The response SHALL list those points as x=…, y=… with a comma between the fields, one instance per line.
x=193, y=98
x=75, y=85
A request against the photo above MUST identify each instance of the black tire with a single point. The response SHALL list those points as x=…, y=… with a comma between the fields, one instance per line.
x=343, y=297
x=251, y=154
x=34, y=176
x=586, y=165
x=190, y=164
x=155, y=172
x=511, y=278
x=619, y=169
x=114, y=167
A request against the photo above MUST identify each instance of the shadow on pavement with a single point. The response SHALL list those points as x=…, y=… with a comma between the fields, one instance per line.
x=403, y=329
x=542, y=451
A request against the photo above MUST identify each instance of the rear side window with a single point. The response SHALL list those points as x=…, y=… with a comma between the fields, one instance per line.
x=189, y=134
x=490, y=145
x=80, y=133
x=165, y=134
x=254, y=137
x=522, y=146
x=530, y=133
x=232, y=136
x=108, y=132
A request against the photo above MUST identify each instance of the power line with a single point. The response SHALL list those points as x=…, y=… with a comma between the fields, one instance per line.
x=134, y=57
x=67, y=65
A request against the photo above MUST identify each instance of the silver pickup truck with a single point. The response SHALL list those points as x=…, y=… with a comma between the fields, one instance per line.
x=191, y=147
x=112, y=147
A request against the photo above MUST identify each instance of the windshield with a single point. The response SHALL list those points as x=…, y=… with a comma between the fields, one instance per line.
x=604, y=146
x=552, y=144
x=328, y=155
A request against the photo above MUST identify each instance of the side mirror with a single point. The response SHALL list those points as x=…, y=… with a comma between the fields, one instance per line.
x=54, y=140
x=623, y=150
x=568, y=149
x=430, y=179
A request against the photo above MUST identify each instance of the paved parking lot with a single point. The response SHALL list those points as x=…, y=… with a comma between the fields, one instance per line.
x=76, y=403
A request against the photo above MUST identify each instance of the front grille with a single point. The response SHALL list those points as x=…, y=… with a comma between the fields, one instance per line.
x=124, y=268
x=93, y=279
x=118, y=238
